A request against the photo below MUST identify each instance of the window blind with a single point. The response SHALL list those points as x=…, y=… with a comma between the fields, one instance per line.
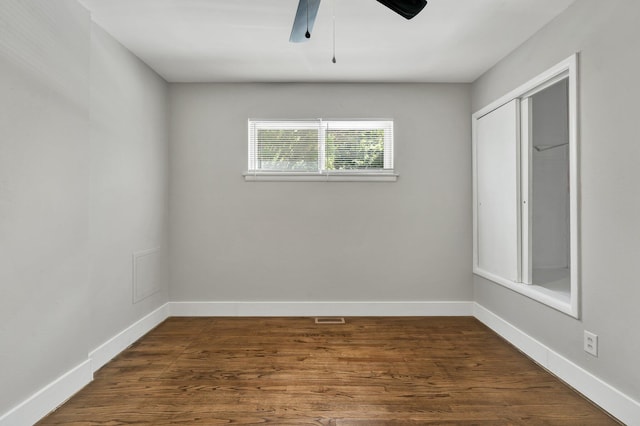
x=320, y=146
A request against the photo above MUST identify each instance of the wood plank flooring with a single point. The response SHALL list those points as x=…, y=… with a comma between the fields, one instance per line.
x=291, y=371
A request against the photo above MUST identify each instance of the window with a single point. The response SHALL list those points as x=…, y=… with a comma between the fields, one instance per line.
x=320, y=150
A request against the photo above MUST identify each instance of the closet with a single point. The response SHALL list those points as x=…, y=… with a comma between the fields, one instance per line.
x=525, y=187
x=549, y=190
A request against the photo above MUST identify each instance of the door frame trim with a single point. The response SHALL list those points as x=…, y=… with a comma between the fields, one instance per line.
x=568, y=68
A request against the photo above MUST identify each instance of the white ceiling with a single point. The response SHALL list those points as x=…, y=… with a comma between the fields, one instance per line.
x=248, y=40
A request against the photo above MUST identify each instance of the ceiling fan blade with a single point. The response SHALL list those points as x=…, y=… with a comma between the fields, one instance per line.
x=306, y=8
x=406, y=8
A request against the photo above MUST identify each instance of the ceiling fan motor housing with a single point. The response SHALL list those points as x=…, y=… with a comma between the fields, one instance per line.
x=405, y=8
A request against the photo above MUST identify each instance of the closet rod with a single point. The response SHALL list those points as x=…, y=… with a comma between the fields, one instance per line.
x=541, y=148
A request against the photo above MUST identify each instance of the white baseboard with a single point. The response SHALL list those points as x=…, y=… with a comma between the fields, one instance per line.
x=55, y=393
x=112, y=347
x=610, y=399
x=314, y=309
x=50, y=397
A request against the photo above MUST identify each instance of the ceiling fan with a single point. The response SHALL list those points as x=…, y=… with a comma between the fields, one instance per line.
x=308, y=10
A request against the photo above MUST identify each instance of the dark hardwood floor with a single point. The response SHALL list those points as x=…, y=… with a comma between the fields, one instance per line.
x=290, y=371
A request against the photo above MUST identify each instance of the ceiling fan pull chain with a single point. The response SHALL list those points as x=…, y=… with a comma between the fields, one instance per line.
x=334, y=31
x=307, y=34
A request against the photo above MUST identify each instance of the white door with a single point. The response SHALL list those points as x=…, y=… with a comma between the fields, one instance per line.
x=497, y=186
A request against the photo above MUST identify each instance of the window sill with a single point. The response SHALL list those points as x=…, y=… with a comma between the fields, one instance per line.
x=317, y=177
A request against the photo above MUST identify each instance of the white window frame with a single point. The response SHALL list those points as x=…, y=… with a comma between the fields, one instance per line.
x=387, y=174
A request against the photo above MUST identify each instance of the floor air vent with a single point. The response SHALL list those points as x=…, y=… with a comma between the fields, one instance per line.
x=329, y=320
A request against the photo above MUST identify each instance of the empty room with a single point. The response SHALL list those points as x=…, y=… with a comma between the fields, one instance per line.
x=328, y=212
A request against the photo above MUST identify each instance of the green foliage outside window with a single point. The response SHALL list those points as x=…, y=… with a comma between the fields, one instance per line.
x=354, y=150
x=298, y=149
x=288, y=149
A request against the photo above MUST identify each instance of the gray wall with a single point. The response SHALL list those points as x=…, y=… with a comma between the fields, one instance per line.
x=129, y=181
x=74, y=192
x=44, y=192
x=606, y=34
x=233, y=240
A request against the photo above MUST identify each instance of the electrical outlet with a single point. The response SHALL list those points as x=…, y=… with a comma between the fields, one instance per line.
x=591, y=343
